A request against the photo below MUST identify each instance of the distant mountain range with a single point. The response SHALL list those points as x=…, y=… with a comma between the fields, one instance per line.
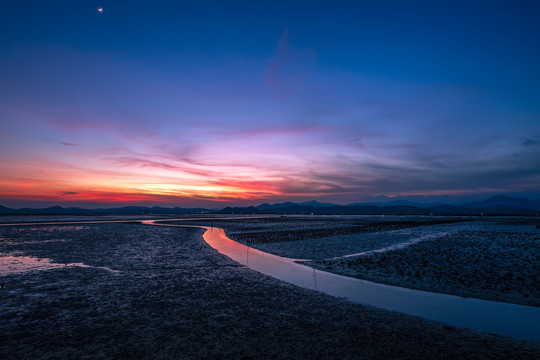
x=497, y=205
x=58, y=210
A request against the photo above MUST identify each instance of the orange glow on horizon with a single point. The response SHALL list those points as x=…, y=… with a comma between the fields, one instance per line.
x=136, y=180
x=127, y=188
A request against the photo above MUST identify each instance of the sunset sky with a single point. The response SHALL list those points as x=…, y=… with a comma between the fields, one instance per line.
x=216, y=103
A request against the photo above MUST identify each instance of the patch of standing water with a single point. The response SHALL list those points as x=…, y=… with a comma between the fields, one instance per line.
x=56, y=228
x=14, y=263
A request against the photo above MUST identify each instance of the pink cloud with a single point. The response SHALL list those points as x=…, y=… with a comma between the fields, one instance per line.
x=144, y=163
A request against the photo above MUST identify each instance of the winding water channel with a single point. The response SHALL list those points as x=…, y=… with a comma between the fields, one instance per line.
x=514, y=320
x=519, y=321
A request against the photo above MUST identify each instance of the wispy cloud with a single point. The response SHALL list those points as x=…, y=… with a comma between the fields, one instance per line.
x=287, y=121
x=289, y=65
x=534, y=141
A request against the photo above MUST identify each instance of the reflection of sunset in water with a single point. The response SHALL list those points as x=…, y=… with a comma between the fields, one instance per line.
x=17, y=262
x=13, y=263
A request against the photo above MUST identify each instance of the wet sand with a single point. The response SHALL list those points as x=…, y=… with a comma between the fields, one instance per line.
x=498, y=266
x=175, y=297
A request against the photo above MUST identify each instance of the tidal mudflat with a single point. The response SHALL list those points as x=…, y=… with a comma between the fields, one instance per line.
x=320, y=237
x=162, y=292
x=485, y=264
x=486, y=258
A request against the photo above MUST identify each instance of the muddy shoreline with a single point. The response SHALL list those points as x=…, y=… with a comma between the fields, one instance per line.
x=492, y=259
x=175, y=297
x=485, y=265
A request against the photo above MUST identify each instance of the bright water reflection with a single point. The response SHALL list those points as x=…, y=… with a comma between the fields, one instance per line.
x=489, y=316
x=15, y=263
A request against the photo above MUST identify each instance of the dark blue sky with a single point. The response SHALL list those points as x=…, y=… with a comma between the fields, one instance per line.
x=249, y=101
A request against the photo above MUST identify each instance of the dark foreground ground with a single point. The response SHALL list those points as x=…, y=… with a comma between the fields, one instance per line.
x=492, y=265
x=175, y=297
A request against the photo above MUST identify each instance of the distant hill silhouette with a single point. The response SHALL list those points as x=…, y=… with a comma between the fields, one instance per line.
x=399, y=203
x=497, y=205
x=326, y=210
x=504, y=201
x=58, y=210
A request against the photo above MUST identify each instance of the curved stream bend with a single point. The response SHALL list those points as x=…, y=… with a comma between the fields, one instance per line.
x=514, y=320
x=507, y=319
